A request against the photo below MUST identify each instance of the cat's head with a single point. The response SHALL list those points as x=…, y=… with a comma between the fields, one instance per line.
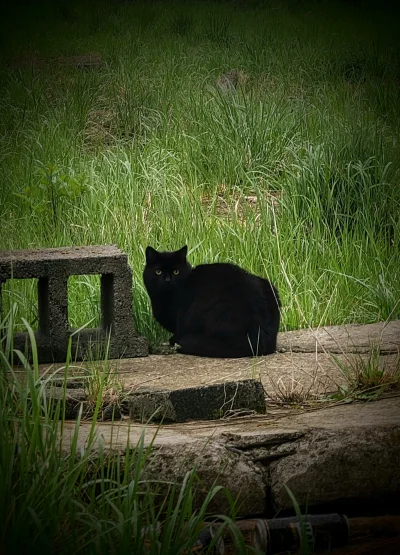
x=165, y=269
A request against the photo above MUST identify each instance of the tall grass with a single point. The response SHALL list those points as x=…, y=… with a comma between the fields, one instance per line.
x=142, y=151
x=84, y=499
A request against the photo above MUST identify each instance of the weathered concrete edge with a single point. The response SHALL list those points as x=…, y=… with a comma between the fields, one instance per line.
x=351, y=338
x=209, y=402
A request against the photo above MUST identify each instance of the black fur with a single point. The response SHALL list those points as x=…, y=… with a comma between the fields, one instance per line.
x=214, y=310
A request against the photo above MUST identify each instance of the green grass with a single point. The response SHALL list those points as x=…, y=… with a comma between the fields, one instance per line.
x=140, y=151
x=85, y=499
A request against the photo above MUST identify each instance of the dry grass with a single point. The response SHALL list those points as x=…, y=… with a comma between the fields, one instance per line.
x=238, y=206
x=367, y=378
x=101, y=127
x=231, y=80
x=291, y=392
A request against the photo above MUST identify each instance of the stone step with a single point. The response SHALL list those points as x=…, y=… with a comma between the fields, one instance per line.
x=208, y=402
x=330, y=456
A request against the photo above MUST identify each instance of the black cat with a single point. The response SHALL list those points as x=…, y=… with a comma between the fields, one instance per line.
x=212, y=310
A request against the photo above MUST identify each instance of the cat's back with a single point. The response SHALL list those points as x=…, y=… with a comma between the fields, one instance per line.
x=222, y=278
x=226, y=281
x=218, y=272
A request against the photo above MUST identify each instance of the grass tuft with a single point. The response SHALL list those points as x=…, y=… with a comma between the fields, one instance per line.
x=367, y=377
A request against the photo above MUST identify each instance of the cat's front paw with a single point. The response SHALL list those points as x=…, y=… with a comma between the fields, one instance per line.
x=177, y=348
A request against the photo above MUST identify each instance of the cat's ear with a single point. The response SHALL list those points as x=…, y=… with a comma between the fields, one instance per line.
x=182, y=252
x=151, y=255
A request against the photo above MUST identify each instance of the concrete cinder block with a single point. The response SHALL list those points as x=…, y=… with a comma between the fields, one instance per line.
x=208, y=402
x=53, y=267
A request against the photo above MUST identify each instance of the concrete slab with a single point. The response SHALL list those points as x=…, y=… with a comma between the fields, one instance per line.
x=351, y=338
x=283, y=375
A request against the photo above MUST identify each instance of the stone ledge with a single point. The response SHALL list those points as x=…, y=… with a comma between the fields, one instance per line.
x=331, y=456
x=198, y=403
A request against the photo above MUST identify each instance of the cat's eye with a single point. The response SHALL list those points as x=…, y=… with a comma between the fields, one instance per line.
x=176, y=272
x=158, y=272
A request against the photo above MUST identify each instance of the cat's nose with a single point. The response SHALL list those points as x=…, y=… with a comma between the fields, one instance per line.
x=167, y=278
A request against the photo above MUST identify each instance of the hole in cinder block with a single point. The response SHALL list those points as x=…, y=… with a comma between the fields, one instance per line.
x=84, y=301
x=23, y=294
